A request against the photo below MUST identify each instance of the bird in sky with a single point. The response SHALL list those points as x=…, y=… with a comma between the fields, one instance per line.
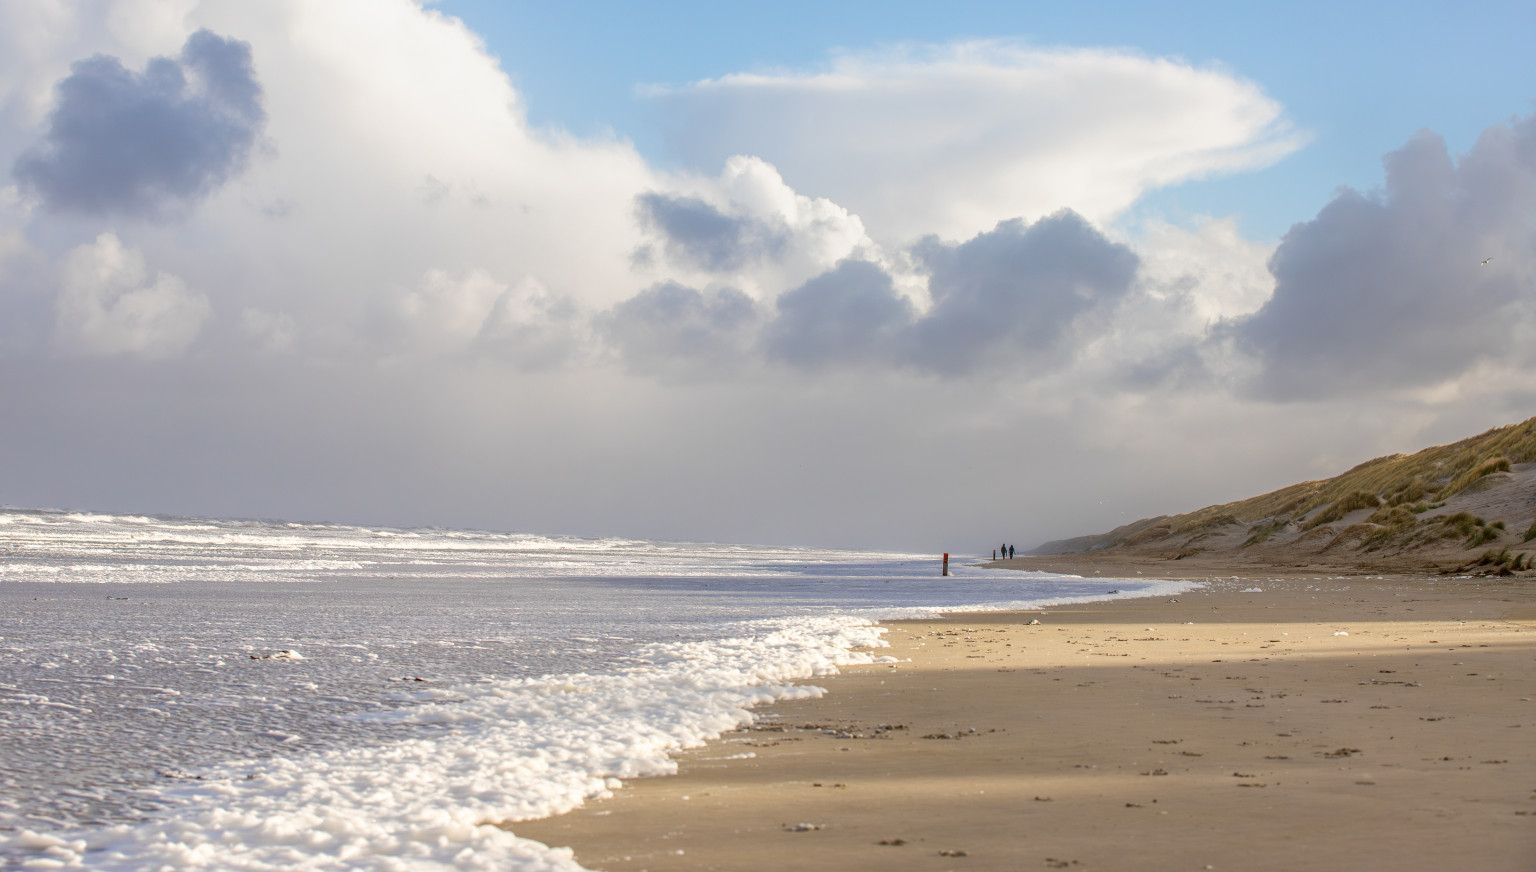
x=1487, y=260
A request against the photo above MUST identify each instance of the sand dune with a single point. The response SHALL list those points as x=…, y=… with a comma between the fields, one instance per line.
x=1468, y=507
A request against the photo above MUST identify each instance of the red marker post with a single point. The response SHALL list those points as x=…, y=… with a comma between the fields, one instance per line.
x=946, y=562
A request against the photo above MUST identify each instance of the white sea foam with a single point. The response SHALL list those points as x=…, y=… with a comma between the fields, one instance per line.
x=519, y=749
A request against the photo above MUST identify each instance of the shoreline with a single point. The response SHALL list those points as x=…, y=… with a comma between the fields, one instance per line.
x=1336, y=722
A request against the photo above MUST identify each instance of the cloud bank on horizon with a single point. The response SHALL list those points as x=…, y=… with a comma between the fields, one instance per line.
x=312, y=259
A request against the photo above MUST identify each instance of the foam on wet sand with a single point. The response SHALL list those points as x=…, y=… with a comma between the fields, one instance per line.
x=1226, y=728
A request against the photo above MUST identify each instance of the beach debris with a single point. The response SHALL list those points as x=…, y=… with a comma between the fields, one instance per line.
x=1060, y=864
x=1032, y=622
x=1042, y=799
x=953, y=854
x=1242, y=775
x=894, y=843
x=801, y=827
x=284, y=654
x=1342, y=752
x=853, y=731
x=1341, y=632
x=1156, y=772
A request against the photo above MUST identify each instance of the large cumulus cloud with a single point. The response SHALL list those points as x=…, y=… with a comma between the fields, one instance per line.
x=850, y=314
x=1018, y=294
x=1019, y=298
x=1388, y=289
x=953, y=138
x=120, y=141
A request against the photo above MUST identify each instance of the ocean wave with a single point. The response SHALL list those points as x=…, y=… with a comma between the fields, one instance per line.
x=517, y=750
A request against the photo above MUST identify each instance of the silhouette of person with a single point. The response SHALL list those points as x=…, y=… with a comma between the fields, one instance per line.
x=1010, y=552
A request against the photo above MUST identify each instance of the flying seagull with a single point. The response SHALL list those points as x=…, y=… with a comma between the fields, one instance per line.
x=1487, y=260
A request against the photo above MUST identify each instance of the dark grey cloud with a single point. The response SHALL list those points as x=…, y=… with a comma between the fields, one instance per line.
x=1014, y=296
x=697, y=233
x=1388, y=289
x=1177, y=368
x=674, y=330
x=850, y=314
x=1017, y=294
x=135, y=143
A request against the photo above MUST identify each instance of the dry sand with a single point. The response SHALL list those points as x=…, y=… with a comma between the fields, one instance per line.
x=1221, y=729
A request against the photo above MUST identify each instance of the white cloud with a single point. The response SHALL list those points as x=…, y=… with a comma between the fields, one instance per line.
x=110, y=304
x=534, y=328
x=746, y=228
x=446, y=311
x=1209, y=264
x=1188, y=280
x=395, y=145
x=524, y=323
x=272, y=332
x=953, y=138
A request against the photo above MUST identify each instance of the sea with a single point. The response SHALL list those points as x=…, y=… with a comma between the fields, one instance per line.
x=259, y=695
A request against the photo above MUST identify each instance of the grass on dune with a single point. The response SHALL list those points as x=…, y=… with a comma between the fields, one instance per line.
x=1414, y=483
x=1504, y=561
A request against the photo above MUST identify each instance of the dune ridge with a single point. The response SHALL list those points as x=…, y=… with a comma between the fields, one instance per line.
x=1466, y=507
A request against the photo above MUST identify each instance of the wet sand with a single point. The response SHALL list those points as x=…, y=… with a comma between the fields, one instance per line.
x=1315, y=724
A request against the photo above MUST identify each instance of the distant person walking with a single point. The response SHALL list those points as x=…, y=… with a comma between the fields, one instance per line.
x=1010, y=552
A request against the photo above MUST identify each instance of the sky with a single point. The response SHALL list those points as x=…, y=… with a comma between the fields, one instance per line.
x=868, y=275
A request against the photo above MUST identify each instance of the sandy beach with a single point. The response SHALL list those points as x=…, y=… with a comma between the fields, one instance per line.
x=1258, y=723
